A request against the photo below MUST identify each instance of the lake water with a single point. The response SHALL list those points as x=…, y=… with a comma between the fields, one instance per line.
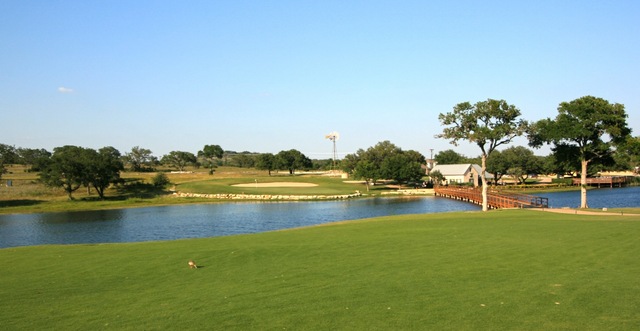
x=205, y=220
x=624, y=197
x=221, y=219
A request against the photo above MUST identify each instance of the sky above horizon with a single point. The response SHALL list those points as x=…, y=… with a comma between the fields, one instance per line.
x=266, y=76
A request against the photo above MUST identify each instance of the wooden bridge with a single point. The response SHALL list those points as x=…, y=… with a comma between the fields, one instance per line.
x=495, y=199
x=610, y=181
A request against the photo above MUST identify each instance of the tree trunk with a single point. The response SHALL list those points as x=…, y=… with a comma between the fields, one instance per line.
x=583, y=185
x=485, y=202
x=100, y=191
x=69, y=193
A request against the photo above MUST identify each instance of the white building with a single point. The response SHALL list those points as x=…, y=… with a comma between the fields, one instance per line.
x=461, y=173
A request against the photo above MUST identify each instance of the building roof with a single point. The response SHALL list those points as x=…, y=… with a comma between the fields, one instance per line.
x=452, y=169
x=479, y=170
x=459, y=169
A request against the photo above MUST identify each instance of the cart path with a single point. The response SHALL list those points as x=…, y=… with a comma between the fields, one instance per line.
x=582, y=212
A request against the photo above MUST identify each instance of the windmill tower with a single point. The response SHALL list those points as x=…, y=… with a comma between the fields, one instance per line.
x=333, y=136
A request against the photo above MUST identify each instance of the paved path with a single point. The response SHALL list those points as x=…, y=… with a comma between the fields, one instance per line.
x=582, y=212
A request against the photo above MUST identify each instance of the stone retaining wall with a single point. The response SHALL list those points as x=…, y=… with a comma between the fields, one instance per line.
x=420, y=191
x=267, y=196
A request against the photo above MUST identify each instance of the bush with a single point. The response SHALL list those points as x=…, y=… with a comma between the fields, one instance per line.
x=562, y=181
x=160, y=180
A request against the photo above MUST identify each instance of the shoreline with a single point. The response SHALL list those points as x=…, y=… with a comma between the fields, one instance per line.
x=186, y=198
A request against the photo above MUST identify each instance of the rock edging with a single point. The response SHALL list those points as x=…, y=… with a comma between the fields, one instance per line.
x=266, y=196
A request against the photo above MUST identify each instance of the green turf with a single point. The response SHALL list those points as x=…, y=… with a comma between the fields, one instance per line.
x=325, y=186
x=499, y=270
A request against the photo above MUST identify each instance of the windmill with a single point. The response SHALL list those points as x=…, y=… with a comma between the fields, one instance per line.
x=333, y=136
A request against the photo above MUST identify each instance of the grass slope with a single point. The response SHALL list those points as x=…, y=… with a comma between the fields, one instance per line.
x=516, y=269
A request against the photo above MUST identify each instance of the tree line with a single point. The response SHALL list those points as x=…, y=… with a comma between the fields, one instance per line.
x=71, y=167
x=589, y=134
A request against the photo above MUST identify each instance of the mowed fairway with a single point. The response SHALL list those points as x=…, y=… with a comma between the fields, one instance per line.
x=499, y=270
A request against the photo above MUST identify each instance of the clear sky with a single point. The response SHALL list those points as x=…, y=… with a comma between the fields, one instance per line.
x=266, y=76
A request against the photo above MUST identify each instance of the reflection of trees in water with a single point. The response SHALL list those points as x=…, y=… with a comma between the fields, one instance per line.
x=82, y=216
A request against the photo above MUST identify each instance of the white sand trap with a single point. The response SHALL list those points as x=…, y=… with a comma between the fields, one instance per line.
x=277, y=184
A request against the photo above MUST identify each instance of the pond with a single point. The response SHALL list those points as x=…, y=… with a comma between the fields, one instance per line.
x=221, y=219
x=205, y=220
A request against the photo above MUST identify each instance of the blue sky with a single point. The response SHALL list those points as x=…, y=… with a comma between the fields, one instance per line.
x=266, y=76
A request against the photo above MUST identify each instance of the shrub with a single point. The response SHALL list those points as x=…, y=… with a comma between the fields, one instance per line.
x=160, y=180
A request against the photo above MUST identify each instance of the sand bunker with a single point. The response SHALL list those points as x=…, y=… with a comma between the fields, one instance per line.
x=277, y=184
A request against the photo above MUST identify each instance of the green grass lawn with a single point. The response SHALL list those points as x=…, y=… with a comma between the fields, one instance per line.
x=325, y=186
x=499, y=270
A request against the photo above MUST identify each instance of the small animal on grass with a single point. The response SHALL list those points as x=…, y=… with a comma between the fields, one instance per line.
x=192, y=265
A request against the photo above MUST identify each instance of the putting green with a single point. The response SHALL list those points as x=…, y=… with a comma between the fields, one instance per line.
x=277, y=184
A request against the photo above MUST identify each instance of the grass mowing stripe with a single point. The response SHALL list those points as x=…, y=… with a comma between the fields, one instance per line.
x=497, y=270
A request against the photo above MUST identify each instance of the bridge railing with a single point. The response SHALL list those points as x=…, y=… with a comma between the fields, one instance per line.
x=494, y=199
x=604, y=180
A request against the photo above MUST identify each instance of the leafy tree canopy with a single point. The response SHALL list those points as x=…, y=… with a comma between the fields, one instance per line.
x=266, y=161
x=103, y=168
x=487, y=124
x=71, y=167
x=521, y=162
x=211, y=154
x=384, y=161
x=292, y=160
x=179, y=159
x=586, y=128
x=139, y=159
x=497, y=165
x=627, y=156
x=449, y=156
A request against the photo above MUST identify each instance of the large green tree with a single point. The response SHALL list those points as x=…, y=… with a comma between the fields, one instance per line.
x=140, y=159
x=384, y=161
x=292, y=160
x=627, y=155
x=366, y=170
x=588, y=128
x=179, y=159
x=71, y=167
x=401, y=168
x=211, y=154
x=67, y=168
x=449, y=156
x=497, y=165
x=488, y=124
x=266, y=161
x=103, y=168
x=521, y=162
